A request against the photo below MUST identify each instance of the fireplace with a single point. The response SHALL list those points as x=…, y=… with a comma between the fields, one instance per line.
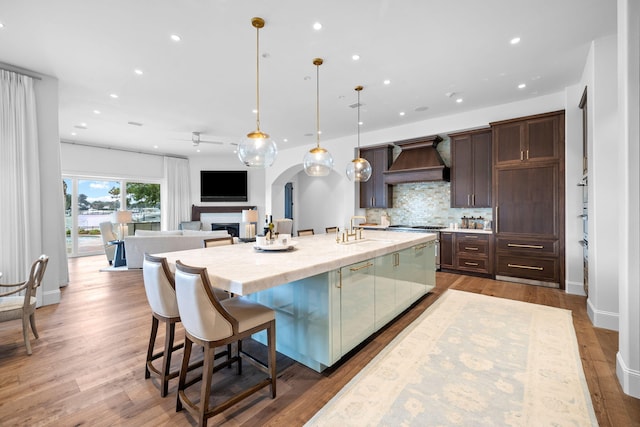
x=233, y=228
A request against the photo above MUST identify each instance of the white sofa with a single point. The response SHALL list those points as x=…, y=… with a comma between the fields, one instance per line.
x=155, y=242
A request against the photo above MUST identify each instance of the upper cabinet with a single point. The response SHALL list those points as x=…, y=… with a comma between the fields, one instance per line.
x=535, y=139
x=374, y=193
x=471, y=169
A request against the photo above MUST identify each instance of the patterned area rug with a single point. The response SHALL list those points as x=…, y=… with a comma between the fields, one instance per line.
x=471, y=360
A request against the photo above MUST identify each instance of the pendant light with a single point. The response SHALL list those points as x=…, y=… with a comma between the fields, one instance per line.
x=359, y=169
x=257, y=149
x=318, y=161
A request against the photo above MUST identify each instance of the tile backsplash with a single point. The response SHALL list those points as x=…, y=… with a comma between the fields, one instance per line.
x=425, y=203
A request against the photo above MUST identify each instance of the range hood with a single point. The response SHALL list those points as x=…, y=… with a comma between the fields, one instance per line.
x=418, y=161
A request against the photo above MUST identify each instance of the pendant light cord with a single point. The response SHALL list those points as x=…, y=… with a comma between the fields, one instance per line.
x=318, y=104
x=258, y=79
x=358, y=89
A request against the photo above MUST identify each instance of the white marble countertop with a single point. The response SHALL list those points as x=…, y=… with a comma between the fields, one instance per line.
x=466, y=230
x=243, y=270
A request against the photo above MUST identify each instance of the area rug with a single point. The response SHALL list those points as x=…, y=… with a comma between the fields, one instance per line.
x=471, y=360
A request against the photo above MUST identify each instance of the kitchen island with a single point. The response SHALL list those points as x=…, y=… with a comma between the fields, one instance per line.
x=328, y=297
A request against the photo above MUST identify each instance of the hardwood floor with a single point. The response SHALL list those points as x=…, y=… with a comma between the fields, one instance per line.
x=87, y=367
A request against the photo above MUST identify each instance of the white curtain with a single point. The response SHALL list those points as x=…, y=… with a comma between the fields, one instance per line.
x=20, y=210
x=176, y=200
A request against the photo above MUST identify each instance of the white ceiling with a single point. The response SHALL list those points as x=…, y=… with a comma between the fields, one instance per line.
x=207, y=81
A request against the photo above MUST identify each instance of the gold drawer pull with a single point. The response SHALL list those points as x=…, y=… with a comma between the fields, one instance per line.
x=516, y=245
x=475, y=264
x=526, y=267
x=417, y=248
x=367, y=265
x=470, y=237
x=470, y=249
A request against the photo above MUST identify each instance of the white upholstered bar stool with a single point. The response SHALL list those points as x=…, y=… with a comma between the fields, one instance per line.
x=211, y=323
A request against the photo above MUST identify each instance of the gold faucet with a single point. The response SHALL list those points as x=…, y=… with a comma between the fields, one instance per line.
x=355, y=231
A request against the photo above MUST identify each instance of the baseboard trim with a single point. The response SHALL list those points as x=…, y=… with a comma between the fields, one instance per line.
x=602, y=319
x=575, y=288
x=629, y=379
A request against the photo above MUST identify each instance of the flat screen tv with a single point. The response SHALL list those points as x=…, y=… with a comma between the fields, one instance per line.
x=223, y=186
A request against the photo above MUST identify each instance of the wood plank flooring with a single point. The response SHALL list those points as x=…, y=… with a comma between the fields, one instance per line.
x=87, y=368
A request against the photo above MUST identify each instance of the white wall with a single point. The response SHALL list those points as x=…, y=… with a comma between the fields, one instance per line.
x=255, y=180
x=628, y=357
x=600, y=77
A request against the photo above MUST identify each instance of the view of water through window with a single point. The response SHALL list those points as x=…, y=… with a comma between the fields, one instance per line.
x=95, y=203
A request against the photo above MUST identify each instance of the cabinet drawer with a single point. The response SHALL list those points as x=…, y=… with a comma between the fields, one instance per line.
x=480, y=265
x=528, y=246
x=544, y=269
x=472, y=247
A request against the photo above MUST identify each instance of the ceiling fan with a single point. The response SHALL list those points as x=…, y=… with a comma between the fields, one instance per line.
x=196, y=140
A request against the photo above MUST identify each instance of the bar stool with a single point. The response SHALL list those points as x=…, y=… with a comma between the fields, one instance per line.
x=209, y=323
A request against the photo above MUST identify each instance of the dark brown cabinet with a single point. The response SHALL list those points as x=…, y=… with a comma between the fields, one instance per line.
x=466, y=252
x=528, y=199
x=374, y=193
x=471, y=169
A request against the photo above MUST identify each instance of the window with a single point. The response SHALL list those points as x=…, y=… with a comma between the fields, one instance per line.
x=96, y=200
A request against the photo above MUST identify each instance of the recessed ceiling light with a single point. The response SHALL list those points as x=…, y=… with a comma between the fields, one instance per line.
x=522, y=86
x=355, y=57
x=175, y=37
x=96, y=111
x=114, y=96
x=515, y=40
x=459, y=100
x=360, y=123
x=1, y=25
x=317, y=26
x=285, y=140
x=73, y=133
x=155, y=146
x=138, y=71
x=401, y=113
x=387, y=82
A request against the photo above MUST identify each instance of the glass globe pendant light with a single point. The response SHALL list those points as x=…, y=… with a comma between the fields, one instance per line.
x=318, y=161
x=257, y=149
x=359, y=169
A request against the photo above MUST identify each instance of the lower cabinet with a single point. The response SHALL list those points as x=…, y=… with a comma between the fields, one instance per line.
x=467, y=252
x=321, y=318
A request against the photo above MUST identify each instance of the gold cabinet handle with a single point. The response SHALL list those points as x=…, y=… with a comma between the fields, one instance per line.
x=526, y=267
x=521, y=155
x=470, y=236
x=396, y=259
x=474, y=264
x=470, y=249
x=496, y=220
x=473, y=199
x=367, y=265
x=517, y=245
x=527, y=154
x=339, y=285
x=417, y=248
x=468, y=199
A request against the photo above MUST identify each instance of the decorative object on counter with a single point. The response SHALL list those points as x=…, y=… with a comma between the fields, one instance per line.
x=385, y=220
x=359, y=169
x=250, y=218
x=352, y=231
x=464, y=223
x=258, y=149
x=318, y=161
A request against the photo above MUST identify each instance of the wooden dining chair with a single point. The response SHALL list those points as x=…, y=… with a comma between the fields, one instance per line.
x=14, y=306
x=209, y=322
x=331, y=229
x=218, y=241
x=306, y=232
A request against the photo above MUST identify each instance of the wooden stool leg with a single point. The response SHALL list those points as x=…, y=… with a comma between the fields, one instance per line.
x=166, y=362
x=205, y=391
x=183, y=371
x=271, y=344
x=239, y=347
x=25, y=334
x=152, y=342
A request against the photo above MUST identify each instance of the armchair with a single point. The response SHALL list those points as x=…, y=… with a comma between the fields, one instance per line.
x=15, y=306
x=106, y=230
